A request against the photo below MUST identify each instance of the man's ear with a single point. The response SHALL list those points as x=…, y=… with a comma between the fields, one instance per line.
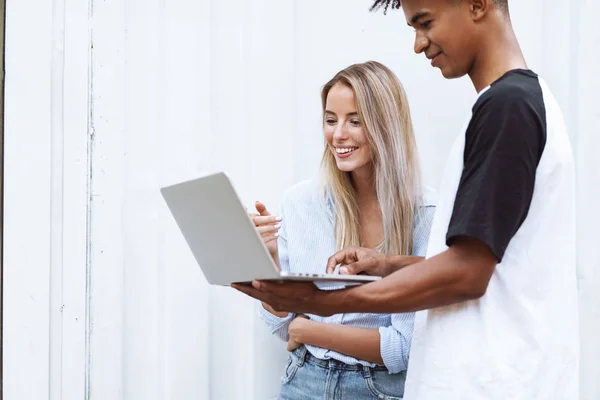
x=479, y=8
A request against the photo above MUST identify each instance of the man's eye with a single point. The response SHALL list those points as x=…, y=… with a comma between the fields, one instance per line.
x=425, y=25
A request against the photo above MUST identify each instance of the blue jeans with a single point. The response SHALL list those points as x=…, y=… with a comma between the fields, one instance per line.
x=308, y=378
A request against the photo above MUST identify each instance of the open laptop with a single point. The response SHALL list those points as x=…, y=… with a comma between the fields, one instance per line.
x=223, y=239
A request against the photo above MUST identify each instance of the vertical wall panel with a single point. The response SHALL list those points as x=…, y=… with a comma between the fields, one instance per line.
x=27, y=225
x=72, y=203
x=185, y=309
x=228, y=140
x=269, y=74
x=587, y=141
x=106, y=195
x=144, y=120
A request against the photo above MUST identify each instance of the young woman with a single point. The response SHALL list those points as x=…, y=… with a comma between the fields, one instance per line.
x=370, y=195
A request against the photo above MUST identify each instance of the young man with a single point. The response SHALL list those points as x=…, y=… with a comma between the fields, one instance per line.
x=498, y=285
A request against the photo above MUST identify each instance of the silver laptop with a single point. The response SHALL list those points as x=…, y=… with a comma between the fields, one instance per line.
x=223, y=239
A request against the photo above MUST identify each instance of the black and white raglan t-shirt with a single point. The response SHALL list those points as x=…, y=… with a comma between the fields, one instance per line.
x=509, y=182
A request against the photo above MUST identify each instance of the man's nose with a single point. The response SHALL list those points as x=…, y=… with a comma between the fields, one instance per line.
x=421, y=43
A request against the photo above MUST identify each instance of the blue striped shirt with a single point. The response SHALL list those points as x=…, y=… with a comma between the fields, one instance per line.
x=307, y=241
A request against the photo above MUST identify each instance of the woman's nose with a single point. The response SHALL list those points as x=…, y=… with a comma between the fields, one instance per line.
x=340, y=132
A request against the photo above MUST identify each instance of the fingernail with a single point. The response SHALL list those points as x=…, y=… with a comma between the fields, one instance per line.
x=256, y=285
x=276, y=234
x=344, y=270
x=278, y=219
x=277, y=226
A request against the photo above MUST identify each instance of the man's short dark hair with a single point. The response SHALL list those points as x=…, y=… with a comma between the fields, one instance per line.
x=396, y=4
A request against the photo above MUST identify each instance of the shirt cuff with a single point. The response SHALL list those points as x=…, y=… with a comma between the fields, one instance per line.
x=276, y=324
x=394, y=349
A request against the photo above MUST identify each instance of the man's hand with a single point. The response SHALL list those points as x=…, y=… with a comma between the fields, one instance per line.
x=358, y=260
x=298, y=297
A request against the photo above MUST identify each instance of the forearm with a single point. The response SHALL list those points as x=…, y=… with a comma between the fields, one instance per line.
x=428, y=284
x=360, y=343
x=396, y=263
x=454, y=276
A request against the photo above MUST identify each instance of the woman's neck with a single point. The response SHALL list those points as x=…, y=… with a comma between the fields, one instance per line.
x=363, y=181
x=371, y=230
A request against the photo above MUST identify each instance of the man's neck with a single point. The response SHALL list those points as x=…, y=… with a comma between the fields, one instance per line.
x=499, y=54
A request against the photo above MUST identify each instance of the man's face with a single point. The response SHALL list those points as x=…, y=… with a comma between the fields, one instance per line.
x=444, y=32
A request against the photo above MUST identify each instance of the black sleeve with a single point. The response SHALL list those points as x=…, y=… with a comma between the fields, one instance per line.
x=503, y=146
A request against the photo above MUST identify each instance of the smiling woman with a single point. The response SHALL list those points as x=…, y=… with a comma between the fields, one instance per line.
x=369, y=139
x=370, y=196
x=344, y=132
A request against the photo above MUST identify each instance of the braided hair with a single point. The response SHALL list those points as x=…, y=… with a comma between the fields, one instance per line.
x=385, y=4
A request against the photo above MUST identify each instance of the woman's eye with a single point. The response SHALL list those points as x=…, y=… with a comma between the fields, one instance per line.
x=330, y=121
x=355, y=122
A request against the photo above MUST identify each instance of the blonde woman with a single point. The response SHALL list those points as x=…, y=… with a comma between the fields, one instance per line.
x=370, y=195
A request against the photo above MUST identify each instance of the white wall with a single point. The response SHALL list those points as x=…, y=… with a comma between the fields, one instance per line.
x=108, y=101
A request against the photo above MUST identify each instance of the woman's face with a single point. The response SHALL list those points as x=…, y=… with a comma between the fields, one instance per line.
x=344, y=131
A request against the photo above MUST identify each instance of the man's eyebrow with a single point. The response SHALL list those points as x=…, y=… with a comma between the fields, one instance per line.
x=417, y=17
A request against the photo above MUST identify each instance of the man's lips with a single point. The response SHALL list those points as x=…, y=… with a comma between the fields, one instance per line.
x=434, y=58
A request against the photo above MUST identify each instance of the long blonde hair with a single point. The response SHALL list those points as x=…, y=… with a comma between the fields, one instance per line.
x=384, y=113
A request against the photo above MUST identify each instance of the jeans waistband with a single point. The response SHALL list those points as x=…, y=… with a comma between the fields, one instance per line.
x=305, y=356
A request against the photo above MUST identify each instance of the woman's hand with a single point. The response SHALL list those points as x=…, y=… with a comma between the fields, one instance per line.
x=296, y=331
x=268, y=228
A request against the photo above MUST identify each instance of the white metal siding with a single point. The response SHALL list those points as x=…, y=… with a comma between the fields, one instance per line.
x=107, y=101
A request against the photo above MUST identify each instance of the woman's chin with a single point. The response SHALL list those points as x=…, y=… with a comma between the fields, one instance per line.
x=345, y=167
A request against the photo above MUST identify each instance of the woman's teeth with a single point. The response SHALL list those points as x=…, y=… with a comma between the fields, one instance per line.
x=343, y=150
